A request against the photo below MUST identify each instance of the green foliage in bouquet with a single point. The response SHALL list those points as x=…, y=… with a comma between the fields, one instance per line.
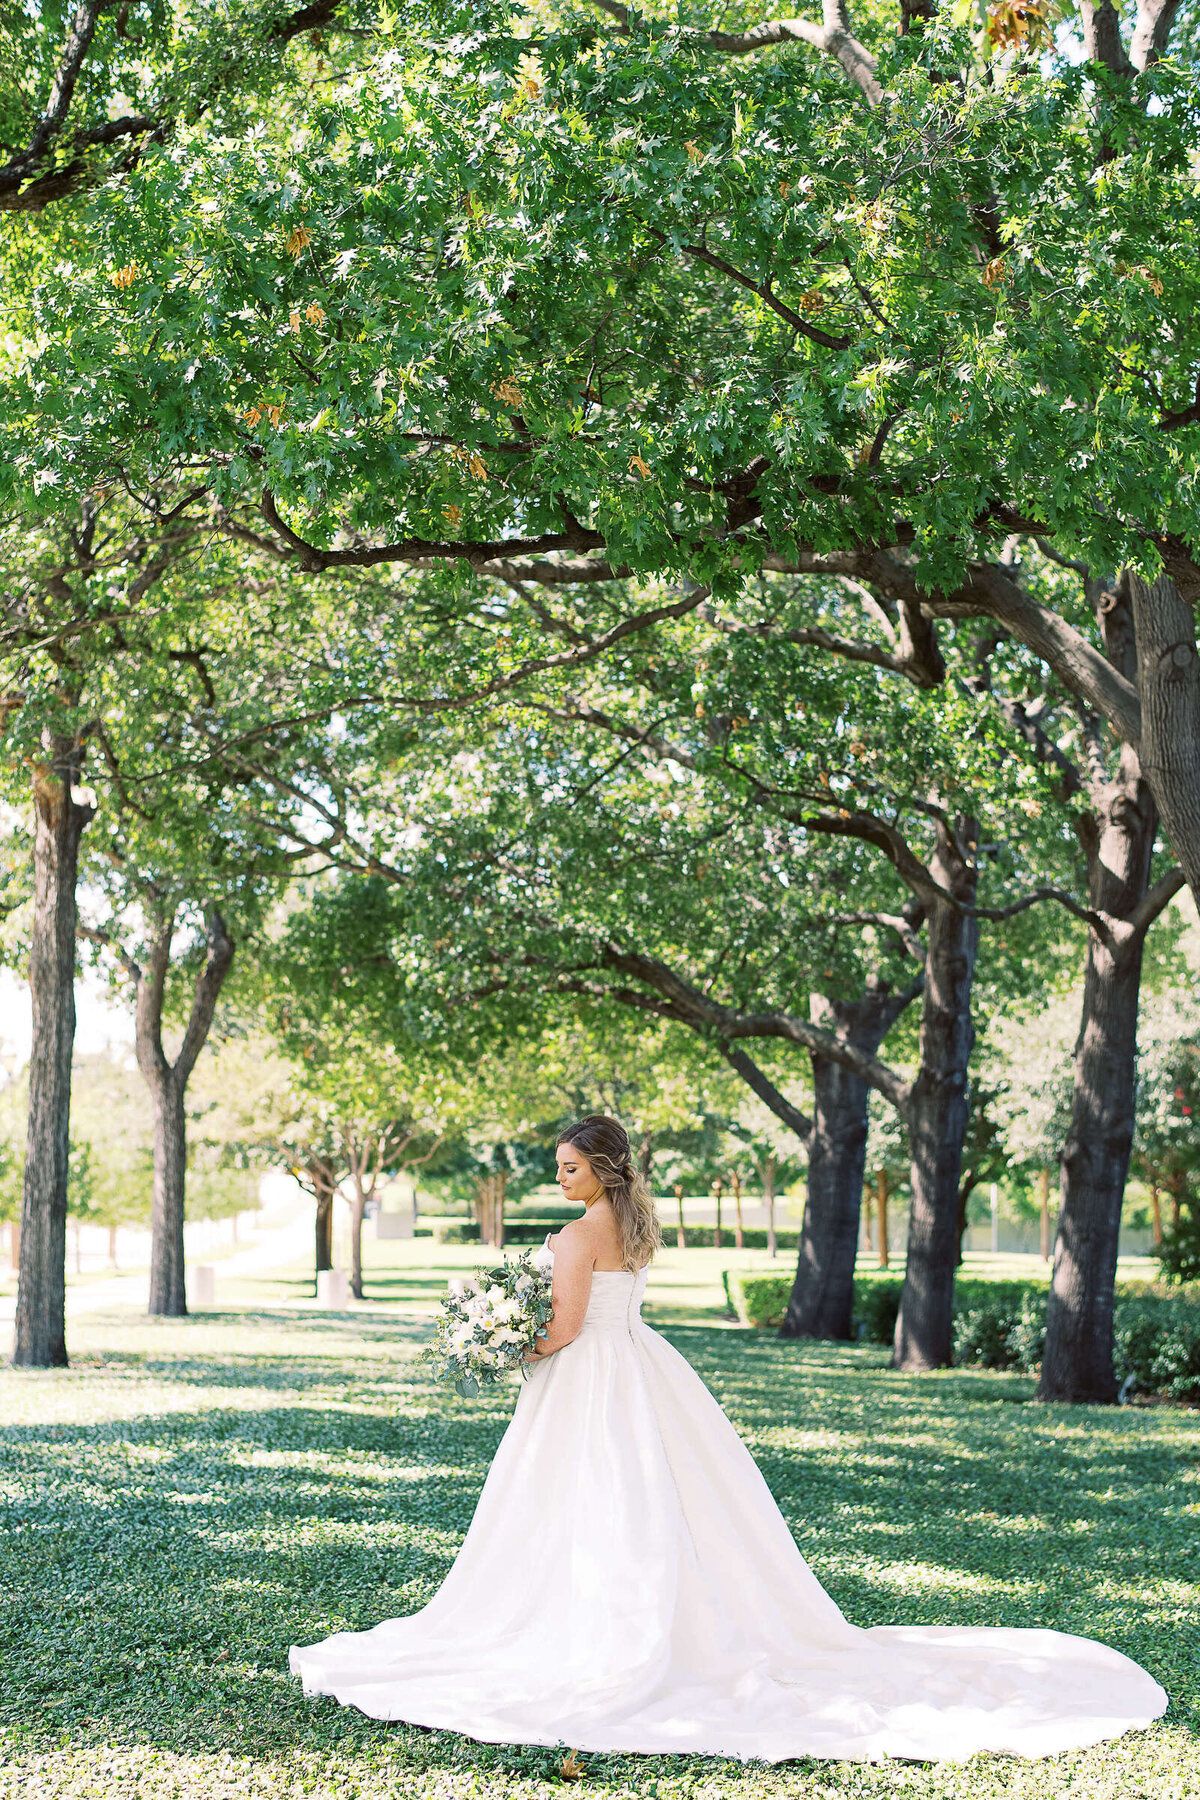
x=490, y=1322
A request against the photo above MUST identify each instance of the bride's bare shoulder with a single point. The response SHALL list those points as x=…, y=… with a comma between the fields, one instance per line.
x=595, y=1234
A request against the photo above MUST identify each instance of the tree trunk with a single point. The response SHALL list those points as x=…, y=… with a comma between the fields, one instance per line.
x=1044, y=1210
x=1175, y=1187
x=739, y=1234
x=646, y=1158
x=1078, y=1360
x=881, y=1201
x=167, y=1082
x=40, y=1340
x=821, y=1304
x=938, y=1115
x=718, y=1238
x=1168, y=678
x=358, y=1207
x=680, y=1232
x=501, y=1193
x=1118, y=839
x=769, y=1198
x=168, y=1295
x=323, y=1247
x=1156, y=1215
x=966, y=1188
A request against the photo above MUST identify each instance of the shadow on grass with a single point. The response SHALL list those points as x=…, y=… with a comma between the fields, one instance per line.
x=157, y=1567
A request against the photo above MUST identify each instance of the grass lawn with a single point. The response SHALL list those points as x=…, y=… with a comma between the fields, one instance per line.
x=190, y=1498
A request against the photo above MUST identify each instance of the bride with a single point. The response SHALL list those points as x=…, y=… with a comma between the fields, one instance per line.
x=628, y=1583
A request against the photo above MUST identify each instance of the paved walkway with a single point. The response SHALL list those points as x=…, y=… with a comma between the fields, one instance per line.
x=276, y=1248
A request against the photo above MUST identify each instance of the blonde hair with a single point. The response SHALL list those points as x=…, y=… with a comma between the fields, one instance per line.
x=606, y=1147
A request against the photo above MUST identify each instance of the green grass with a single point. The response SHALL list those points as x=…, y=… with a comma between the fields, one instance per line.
x=190, y=1498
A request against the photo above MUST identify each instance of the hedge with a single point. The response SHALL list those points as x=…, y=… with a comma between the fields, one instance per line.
x=1002, y=1325
x=518, y=1230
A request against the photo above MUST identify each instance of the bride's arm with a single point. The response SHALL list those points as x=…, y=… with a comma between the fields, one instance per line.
x=574, y=1255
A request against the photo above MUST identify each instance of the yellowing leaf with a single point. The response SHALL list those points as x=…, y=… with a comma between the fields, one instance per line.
x=453, y=516
x=275, y=413
x=641, y=465
x=314, y=314
x=298, y=240
x=694, y=153
x=124, y=278
x=995, y=272
x=508, y=391
x=571, y=1769
x=251, y=416
x=294, y=318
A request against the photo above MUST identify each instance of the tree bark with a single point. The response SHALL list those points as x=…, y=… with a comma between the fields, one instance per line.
x=167, y=1083
x=768, y=1180
x=739, y=1234
x=821, y=1304
x=881, y=1201
x=1156, y=1215
x=1078, y=1360
x=1118, y=840
x=680, y=1231
x=1168, y=679
x=501, y=1194
x=59, y=821
x=938, y=1114
x=323, y=1229
x=718, y=1236
x=358, y=1208
x=168, y=1295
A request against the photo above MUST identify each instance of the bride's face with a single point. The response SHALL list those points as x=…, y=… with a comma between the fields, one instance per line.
x=576, y=1177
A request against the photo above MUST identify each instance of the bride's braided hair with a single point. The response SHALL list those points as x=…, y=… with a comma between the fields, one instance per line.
x=606, y=1146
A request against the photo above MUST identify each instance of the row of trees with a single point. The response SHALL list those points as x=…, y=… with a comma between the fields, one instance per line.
x=698, y=524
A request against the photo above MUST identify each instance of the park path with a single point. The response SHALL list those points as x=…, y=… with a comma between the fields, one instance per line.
x=277, y=1246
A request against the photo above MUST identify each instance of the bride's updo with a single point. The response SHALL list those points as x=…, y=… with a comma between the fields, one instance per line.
x=606, y=1146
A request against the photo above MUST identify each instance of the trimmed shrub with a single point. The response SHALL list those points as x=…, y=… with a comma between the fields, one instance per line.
x=758, y=1300
x=876, y=1308
x=455, y=1231
x=1157, y=1345
x=700, y=1237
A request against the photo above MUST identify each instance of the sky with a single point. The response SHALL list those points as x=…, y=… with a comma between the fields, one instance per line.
x=99, y=1022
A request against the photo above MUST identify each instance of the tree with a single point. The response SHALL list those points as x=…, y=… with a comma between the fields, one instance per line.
x=931, y=339
x=476, y=876
x=1167, y=1145
x=837, y=312
x=167, y=1080
x=74, y=593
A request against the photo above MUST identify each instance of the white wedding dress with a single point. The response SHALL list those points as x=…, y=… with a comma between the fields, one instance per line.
x=628, y=1584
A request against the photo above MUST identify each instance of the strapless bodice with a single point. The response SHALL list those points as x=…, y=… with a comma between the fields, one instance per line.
x=616, y=1298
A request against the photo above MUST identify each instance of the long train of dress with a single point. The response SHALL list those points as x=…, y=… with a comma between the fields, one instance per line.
x=628, y=1584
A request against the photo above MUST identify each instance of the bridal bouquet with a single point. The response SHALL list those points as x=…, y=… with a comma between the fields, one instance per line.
x=490, y=1321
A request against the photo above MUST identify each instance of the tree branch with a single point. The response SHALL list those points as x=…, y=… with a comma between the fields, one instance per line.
x=1156, y=900
x=1102, y=36
x=761, y=1084
x=1151, y=31
x=204, y=1001
x=727, y=1025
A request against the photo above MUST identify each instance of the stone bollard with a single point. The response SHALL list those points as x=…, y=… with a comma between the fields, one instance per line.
x=333, y=1289
x=203, y=1285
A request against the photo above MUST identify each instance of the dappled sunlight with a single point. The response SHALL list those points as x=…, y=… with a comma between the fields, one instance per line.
x=193, y=1496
